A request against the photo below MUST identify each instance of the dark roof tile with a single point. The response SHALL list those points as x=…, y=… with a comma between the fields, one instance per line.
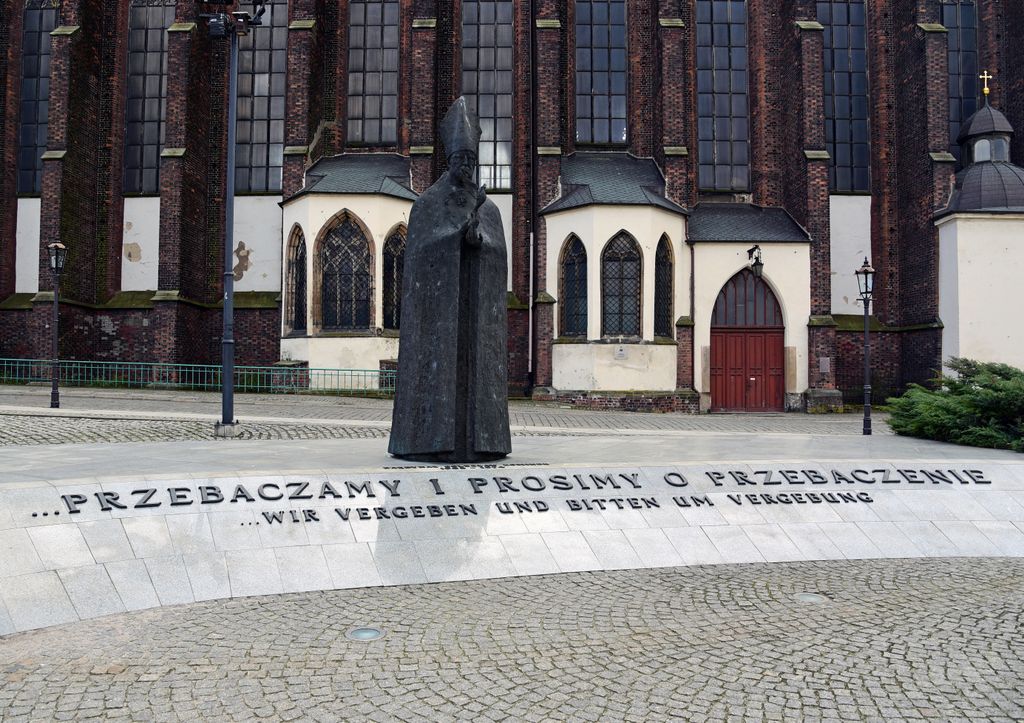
x=743, y=222
x=615, y=179
x=381, y=173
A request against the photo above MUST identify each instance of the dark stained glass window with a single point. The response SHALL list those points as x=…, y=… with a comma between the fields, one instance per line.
x=296, y=318
x=262, y=61
x=39, y=19
x=601, y=71
x=621, y=287
x=961, y=20
x=846, y=94
x=148, y=21
x=746, y=300
x=663, y=289
x=394, y=261
x=487, y=84
x=723, y=118
x=346, y=277
x=573, y=295
x=373, y=72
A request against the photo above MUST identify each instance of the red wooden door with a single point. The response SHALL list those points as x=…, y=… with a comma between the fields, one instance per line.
x=747, y=368
x=747, y=373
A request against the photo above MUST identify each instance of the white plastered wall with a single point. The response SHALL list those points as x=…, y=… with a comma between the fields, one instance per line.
x=850, y=229
x=140, y=246
x=258, y=226
x=787, y=271
x=325, y=352
x=617, y=366
x=504, y=203
x=26, y=250
x=980, y=258
x=311, y=213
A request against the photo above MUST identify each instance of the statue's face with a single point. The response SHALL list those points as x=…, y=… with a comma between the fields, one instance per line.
x=462, y=166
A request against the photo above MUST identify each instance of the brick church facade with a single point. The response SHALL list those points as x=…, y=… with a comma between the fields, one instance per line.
x=636, y=149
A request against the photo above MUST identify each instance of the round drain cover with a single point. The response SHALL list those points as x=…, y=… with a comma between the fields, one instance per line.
x=364, y=634
x=810, y=597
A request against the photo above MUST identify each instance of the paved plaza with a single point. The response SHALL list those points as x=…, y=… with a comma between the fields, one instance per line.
x=165, y=614
x=111, y=415
x=891, y=641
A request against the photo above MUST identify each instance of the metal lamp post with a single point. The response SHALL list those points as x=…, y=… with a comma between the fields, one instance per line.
x=221, y=25
x=58, y=254
x=866, y=283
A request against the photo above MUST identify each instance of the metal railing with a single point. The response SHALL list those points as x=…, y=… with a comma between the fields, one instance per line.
x=202, y=377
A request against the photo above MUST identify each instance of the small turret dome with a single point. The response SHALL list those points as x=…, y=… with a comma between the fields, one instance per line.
x=988, y=187
x=986, y=121
x=988, y=183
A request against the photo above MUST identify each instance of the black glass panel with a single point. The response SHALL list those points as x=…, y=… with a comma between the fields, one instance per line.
x=262, y=58
x=39, y=19
x=487, y=84
x=373, y=72
x=346, y=277
x=620, y=287
x=573, y=296
x=601, y=71
x=961, y=21
x=846, y=94
x=147, y=94
x=722, y=116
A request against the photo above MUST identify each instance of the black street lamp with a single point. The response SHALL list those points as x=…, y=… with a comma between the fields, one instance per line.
x=756, y=264
x=866, y=283
x=58, y=254
x=221, y=24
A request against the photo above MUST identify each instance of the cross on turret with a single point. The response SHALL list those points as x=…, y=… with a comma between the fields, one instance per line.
x=986, y=77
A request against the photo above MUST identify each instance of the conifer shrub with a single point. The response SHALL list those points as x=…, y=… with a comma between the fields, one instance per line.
x=981, y=404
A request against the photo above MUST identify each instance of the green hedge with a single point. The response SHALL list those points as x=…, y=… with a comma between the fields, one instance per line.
x=981, y=405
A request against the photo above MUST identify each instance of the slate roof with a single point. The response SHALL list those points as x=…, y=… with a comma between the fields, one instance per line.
x=989, y=186
x=743, y=222
x=382, y=173
x=614, y=179
x=985, y=121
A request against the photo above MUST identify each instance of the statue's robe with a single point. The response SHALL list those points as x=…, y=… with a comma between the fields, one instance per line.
x=451, y=400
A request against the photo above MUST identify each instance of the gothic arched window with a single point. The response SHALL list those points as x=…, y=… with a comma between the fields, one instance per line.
x=746, y=300
x=295, y=319
x=663, y=289
x=394, y=260
x=346, y=277
x=573, y=294
x=621, y=287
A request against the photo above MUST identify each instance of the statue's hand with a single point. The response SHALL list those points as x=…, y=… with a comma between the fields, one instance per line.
x=471, y=231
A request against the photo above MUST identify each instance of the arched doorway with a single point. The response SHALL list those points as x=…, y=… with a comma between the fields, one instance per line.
x=747, y=371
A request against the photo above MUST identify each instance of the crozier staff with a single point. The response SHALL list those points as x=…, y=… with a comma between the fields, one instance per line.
x=451, y=400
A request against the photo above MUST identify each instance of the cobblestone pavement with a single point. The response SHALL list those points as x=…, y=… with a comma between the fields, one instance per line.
x=176, y=416
x=893, y=640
